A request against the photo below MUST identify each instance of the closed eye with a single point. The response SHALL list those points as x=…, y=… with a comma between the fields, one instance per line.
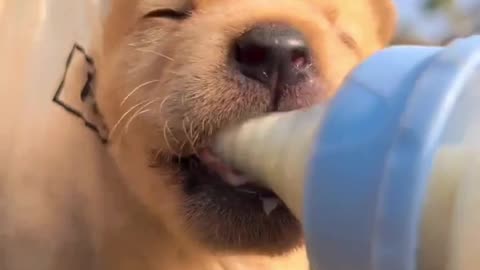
x=168, y=14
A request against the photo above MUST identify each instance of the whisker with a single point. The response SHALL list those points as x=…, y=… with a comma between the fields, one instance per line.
x=136, y=89
x=193, y=134
x=157, y=154
x=115, y=127
x=156, y=53
x=141, y=109
x=187, y=135
x=166, y=128
x=182, y=147
x=171, y=134
x=143, y=42
x=203, y=124
x=133, y=117
x=164, y=102
x=166, y=138
x=174, y=72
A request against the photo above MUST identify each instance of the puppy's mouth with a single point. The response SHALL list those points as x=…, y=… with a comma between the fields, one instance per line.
x=206, y=169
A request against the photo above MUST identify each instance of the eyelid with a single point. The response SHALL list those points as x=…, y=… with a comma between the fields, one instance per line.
x=168, y=13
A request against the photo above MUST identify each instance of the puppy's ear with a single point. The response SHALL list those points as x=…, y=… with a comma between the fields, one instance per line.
x=385, y=12
x=371, y=23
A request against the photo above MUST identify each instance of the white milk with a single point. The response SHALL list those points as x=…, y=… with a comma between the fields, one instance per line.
x=451, y=218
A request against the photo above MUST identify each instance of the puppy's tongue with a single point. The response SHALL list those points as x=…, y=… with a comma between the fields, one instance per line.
x=227, y=173
x=235, y=179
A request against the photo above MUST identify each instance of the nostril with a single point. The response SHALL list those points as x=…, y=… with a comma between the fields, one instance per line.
x=300, y=58
x=250, y=54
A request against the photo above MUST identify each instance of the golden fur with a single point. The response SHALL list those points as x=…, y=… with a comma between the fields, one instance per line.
x=162, y=90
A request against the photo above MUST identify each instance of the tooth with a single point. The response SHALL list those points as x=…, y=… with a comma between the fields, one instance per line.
x=247, y=191
x=269, y=204
x=236, y=180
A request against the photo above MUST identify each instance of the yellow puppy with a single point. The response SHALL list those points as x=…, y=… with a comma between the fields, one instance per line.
x=169, y=75
x=173, y=72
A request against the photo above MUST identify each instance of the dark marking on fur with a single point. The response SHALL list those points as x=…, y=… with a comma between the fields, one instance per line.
x=85, y=93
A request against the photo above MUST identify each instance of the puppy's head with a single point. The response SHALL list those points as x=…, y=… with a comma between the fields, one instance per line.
x=174, y=72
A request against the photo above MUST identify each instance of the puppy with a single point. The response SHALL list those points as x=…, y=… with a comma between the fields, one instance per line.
x=174, y=72
x=169, y=75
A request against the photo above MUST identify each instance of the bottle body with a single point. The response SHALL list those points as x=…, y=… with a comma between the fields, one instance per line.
x=387, y=177
x=448, y=235
x=381, y=154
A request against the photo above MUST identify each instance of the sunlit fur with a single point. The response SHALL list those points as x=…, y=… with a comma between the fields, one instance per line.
x=164, y=87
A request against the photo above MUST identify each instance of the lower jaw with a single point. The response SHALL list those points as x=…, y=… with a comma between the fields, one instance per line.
x=226, y=221
x=235, y=197
x=197, y=174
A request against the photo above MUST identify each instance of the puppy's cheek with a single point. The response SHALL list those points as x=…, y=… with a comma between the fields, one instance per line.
x=201, y=102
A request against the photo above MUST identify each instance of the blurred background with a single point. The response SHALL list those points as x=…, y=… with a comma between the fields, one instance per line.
x=433, y=22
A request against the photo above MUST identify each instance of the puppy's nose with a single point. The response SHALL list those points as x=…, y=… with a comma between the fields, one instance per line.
x=273, y=54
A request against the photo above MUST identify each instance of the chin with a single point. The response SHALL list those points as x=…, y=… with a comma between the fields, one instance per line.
x=228, y=213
